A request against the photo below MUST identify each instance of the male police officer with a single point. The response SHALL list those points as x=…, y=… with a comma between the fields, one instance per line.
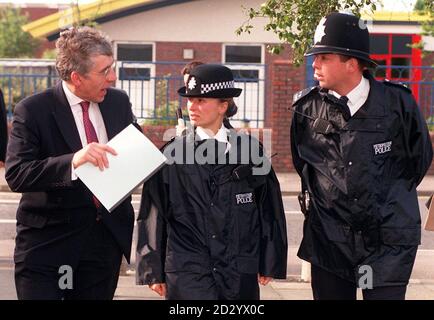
x=361, y=148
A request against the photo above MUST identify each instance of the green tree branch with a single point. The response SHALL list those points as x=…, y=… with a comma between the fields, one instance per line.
x=14, y=42
x=295, y=21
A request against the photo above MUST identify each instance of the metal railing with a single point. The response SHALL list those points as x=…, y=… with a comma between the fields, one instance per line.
x=152, y=88
x=17, y=86
x=153, y=91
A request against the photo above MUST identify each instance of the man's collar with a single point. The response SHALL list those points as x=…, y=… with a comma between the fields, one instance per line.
x=362, y=89
x=359, y=92
x=72, y=98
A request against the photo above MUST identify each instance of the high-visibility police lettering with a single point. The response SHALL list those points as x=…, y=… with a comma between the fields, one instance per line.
x=381, y=148
x=244, y=198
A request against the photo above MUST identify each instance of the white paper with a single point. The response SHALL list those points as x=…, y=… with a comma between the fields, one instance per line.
x=137, y=160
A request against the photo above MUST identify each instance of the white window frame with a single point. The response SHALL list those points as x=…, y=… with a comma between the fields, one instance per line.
x=260, y=67
x=142, y=99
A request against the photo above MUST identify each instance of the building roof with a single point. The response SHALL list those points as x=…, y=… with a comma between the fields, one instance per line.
x=108, y=10
x=98, y=11
x=395, y=17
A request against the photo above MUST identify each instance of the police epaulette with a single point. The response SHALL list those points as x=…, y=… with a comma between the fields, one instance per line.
x=301, y=94
x=396, y=84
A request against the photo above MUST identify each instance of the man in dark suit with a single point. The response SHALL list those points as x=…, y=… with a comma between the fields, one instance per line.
x=3, y=130
x=68, y=246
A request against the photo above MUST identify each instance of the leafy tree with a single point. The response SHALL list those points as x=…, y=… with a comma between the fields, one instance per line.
x=165, y=110
x=75, y=18
x=295, y=21
x=14, y=42
x=419, y=5
x=425, y=7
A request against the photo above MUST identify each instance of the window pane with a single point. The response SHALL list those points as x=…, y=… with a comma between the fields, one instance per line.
x=380, y=71
x=379, y=44
x=400, y=72
x=243, y=54
x=134, y=52
x=134, y=74
x=246, y=75
x=399, y=44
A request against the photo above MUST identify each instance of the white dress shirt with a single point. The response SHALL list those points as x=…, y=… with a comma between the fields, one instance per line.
x=94, y=115
x=220, y=136
x=356, y=97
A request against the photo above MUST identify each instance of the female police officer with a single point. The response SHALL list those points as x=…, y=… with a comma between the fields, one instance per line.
x=211, y=226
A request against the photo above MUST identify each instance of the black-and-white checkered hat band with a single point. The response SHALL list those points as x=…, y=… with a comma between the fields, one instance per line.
x=210, y=80
x=208, y=87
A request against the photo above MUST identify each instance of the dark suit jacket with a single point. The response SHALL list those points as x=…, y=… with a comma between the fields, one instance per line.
x=55, y=214
x=3, y=128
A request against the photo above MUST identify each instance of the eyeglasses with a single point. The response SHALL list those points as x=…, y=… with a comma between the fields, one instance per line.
x=106, y=71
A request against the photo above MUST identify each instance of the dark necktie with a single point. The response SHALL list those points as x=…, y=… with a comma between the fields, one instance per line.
x=90, y=134
x=88, y=126
x=343, y=107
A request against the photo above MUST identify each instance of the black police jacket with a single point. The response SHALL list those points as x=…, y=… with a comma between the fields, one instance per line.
x=361, y=176
x=202, y=221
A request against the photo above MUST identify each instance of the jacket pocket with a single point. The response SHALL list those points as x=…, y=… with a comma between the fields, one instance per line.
x=401, y=236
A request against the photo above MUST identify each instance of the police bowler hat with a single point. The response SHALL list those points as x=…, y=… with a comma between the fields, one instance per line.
x=210, y=81
x=342, y=33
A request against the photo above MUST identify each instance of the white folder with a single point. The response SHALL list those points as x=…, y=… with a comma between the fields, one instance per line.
x=136, y=161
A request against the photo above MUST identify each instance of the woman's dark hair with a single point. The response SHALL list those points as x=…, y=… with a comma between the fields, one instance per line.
x=189, y=66
x=230, y=112
x=232, y=107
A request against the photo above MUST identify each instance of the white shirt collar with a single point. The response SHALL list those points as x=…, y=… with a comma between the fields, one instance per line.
x=356, y=97
x=72, y=98
x=220, y=136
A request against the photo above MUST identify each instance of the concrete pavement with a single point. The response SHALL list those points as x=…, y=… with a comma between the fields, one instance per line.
x=276, y=290
x=290, y=289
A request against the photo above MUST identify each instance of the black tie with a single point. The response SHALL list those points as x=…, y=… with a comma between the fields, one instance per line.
x=343, y=107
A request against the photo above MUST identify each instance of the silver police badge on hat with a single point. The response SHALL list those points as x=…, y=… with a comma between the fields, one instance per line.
x=192, y=83
x=320, y=31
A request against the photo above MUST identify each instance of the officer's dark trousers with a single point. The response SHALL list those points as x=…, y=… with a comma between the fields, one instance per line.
x=94, y=277
x=327, y=286
x=200, y=286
